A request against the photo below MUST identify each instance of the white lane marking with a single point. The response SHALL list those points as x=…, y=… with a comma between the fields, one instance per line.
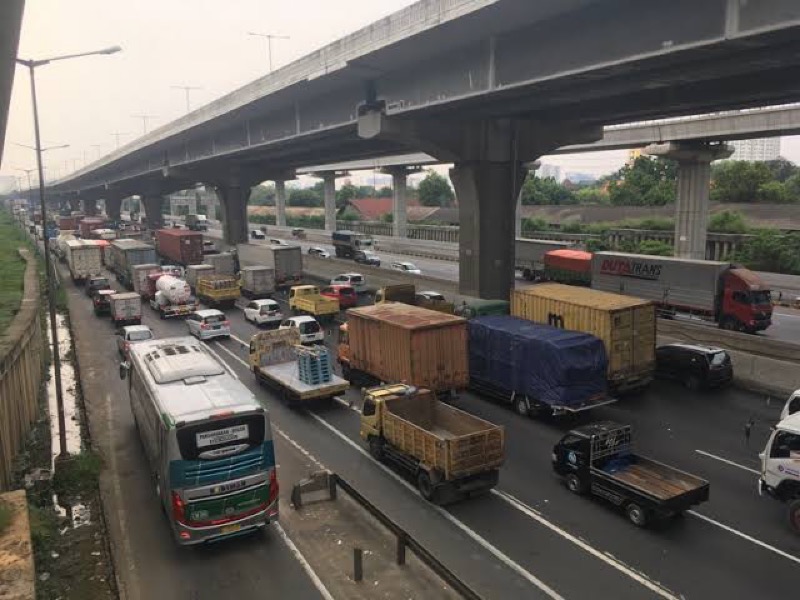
x=305, y=564
x=783, y=314
x=241, y=341
x=640, y=578
x=744, y=536
x=231, y=354
x=728, y=462
x=510, y=563
x=297, y=446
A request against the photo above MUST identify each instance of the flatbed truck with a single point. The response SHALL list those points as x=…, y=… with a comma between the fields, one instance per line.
x=598, y=459
x=273, y=360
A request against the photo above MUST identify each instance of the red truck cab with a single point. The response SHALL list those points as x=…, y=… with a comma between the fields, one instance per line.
x=345, y=294
x=746, y=303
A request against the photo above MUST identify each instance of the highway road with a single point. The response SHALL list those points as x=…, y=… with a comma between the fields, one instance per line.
x=530, y=538
x=786, y=321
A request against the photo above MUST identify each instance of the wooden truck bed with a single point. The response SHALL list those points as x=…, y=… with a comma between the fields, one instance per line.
x=285, y=375
x=656, y=479
x=444, y=437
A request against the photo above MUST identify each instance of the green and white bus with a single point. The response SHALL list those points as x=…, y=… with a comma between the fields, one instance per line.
x=207, y=440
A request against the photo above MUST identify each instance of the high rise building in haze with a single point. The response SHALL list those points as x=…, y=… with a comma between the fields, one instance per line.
x=546, y=171
x=757, y=150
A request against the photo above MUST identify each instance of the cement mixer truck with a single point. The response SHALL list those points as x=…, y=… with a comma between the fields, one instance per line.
x=173, y=298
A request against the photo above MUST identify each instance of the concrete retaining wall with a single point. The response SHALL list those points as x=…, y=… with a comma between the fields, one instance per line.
x=21, y=372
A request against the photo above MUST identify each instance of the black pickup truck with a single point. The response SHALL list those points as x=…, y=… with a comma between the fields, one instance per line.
x=599, y=459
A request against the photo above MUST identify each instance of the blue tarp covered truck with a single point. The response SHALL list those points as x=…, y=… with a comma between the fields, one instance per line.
x=536, y=368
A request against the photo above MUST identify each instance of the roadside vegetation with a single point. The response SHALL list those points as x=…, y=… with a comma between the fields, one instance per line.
x=12, y=268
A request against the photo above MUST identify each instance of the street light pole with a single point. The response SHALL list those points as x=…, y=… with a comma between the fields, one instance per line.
x=269, y=37
x=187, y=89
x=32, y=64
x=62, y=425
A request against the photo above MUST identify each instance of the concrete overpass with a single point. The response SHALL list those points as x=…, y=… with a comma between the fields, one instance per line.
x=10, y=25
x=484, y=84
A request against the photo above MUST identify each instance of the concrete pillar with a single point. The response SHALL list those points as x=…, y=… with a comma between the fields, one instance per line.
x=152, y=204
x=280, y=203
x=399, y=204
x=89, y=207
x=114, y=208
x=233, y=197
x=74, y=204
x=694, y=177
x=329, y=181
x=487, y=196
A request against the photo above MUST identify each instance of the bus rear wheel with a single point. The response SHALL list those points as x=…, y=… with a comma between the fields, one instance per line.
x=794, y=515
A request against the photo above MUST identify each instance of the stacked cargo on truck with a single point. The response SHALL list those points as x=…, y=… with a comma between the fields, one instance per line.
x=286, y=261
x=627, y=326
x=279, y=362
x=572, y=267
x=733, y=297
x=224, y=263
x=88, y=224
x=217, y=290
x=84, y=259
x=406, y=293
x=180, y=246
x=450, y=453
x=538, y=369
x=195, y=272
x=529, y=256
x=126, y=254
x=346, y=243
x=401, y=343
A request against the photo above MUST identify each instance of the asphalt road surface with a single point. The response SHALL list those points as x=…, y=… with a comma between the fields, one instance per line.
x=529, y=538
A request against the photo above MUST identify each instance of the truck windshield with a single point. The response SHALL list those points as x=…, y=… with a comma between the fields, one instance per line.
x=139, y=336
x=205, y=440
x=717, y=359
x=761, y=297
x=309, y=327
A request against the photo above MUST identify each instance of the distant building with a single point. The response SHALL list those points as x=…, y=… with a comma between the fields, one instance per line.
x=580, y=178
x=758, y=150
x=546, y=171
x=633, y=154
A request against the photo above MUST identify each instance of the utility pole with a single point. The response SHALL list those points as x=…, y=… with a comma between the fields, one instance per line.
x=145, y=119
x=187, y=90
x=269, y=37
x=118, y=135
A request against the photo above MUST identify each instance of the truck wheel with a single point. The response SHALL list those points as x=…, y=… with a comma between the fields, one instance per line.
x=425, y=486
x=376, y=448
x=794, y=515
x=521, y=405
x=574, y=484
x=636, y=514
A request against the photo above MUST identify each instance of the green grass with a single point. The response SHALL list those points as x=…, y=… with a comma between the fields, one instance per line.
x=77, y=475
x=12, y=269
x=6, y=512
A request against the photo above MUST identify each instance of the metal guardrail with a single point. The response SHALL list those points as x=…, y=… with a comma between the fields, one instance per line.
x=406, y=540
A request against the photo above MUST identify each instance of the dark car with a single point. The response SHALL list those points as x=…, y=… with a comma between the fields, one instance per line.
x=365, y=257
x=694, y=365
x=97, y=283
x=101, y=301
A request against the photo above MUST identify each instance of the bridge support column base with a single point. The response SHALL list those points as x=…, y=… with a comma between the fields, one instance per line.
x=280, y=203
x=233, y=199
x=329, y=188
x=694, y=180
x=153, y=203
x=487, y=198
x=114, y=209
x=89, y=207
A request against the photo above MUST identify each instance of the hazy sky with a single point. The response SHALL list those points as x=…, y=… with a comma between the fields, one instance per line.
x=202, y=43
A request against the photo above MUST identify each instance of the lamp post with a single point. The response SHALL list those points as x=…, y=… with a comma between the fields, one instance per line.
x=269, y=37
x=31, y=65
x=187, y=89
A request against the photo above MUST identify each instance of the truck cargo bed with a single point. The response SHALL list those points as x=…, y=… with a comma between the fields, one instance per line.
x=653, y=478
x=285, y=376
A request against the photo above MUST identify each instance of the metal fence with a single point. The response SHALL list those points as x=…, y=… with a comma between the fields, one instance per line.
x=21, y=373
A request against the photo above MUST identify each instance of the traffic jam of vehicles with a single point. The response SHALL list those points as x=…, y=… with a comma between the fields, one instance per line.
x=583, y=337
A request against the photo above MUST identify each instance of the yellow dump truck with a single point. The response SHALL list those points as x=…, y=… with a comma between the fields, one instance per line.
x=218, y=290
x=450, y=453
x=306, y=300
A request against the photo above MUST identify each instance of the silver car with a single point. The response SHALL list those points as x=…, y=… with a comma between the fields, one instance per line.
x=132, y=334
x=208, y=324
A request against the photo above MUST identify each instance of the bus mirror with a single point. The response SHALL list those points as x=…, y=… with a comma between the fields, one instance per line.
x=123, y=370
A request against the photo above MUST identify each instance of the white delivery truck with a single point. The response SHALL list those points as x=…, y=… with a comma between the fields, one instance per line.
x=84, y=259
x=286, y=261
x=780, y=463
x=126, y=309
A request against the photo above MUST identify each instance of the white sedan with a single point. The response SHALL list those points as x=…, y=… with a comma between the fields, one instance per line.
x=406, y=267
x=308, y=328
x=319, y=252
x=263, y=312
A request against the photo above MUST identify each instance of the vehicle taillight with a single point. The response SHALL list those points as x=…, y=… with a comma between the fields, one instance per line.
x=127, y=346
x=203, y=325
x=226, y=323
x=178, y=508
x=273, y=485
